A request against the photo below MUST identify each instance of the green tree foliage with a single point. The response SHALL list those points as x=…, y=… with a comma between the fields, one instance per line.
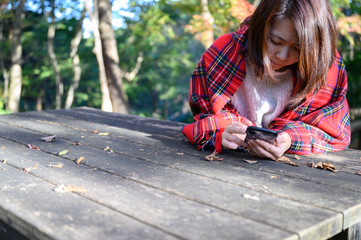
x=349, y=23
x=169, y=57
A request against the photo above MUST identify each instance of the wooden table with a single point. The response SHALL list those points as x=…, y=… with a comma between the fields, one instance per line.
x=138, y=178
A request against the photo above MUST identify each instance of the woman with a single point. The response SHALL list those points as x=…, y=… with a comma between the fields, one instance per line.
x=280, y=71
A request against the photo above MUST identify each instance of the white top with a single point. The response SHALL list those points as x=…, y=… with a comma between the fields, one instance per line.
x=261, y=100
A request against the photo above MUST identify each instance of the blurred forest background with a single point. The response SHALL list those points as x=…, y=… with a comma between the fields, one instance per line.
x=133, y=56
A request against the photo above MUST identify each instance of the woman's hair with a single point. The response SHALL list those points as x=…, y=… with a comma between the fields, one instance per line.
x=317, y=34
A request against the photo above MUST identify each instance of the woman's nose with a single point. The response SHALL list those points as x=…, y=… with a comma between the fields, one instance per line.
x=282, y=53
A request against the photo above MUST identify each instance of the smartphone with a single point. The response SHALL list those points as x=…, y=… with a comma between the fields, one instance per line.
x=261, y=133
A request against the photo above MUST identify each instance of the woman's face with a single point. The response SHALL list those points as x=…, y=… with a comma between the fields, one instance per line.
x=282, y=45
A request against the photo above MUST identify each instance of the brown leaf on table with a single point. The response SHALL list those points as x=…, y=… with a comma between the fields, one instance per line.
x=247, y=196
x=108, y=149
x=79, y=160
x=56, y=165
x=30, y=168
x=213, y=157
x=358, y=173
x=95, y=131
x=297, y=157
x=3, y=161
x=103, y=134
x=31, y=146
x=62, y=189
x=329, y=166
x=250, y=161
x=332, y=169
x=273, y=177
x=286, y=160
x=49, y=138
x=76, y=143
x=326, y=166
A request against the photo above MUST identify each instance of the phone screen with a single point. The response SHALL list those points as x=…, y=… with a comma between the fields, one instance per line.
x=261, y=133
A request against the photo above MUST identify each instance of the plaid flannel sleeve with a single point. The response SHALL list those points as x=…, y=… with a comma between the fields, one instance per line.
x=207, y=132
x=321, y=124
x=208, y=126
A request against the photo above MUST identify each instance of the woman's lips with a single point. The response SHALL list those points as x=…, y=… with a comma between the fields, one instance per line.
x=275, y=64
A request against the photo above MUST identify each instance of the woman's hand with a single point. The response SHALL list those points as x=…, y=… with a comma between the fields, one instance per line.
x=272, y=151
x=234, y=134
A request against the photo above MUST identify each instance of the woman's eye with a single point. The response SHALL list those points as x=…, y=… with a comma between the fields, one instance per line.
x=274, y=42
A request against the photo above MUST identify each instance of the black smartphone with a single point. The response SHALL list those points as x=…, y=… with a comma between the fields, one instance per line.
x=261, y=133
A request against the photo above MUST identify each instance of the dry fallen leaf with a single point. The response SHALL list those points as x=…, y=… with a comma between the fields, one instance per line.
x=56, y=165
x=286, y=160
x=76, y=143
x=108, y=149
x=297, y=157
x=103, y=134
x=326, y=166
x=250, y=161
x=3, y=161
x=63, y=152
x=3, y=147
x=79, y=160
x=62, y=189
x=30, y=168
x=31, y=146
x=358, y=173
x=212, y=157
x=247, y=196
x=274, y=176
x=95, y=131
x=49, y=138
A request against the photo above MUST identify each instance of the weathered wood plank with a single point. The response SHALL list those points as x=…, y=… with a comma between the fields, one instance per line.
x=47, y=120
x=171, y=213
x=100, y=119
x=144, y=124
x=99, y=141
x=7, y=232
x=344, y=161
x=40, y=120
x=277, y=212
x=354, y=232
x=268, y=166
x=30, y=206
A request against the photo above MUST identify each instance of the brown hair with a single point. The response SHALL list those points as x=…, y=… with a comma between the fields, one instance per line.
x=317, y=33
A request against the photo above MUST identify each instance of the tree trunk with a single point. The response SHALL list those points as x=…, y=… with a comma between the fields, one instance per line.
x=76, y=62
x=58, y=82
x=208, y=36
x=2, y=66
x=111, y=59
x=106, y=101
x=16, y=55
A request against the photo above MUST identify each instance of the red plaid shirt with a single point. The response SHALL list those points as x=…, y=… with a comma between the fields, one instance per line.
x=320, y=124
